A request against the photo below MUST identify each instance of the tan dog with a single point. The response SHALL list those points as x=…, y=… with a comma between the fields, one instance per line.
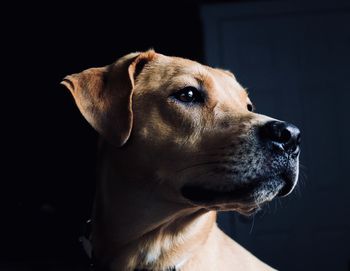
x=181, y=143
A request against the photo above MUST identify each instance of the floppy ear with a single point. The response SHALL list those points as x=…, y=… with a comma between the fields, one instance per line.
x=104, y=95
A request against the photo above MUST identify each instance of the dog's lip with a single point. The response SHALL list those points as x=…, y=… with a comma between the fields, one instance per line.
x=199, y=194
x=288, y=186
x=242, y=194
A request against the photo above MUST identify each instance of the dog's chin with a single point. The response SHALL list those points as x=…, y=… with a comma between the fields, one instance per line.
x=245, y=198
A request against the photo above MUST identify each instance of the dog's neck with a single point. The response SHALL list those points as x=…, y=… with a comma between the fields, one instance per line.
x=135, y=227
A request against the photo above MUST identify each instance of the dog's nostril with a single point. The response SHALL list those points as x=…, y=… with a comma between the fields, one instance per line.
x=287, y=135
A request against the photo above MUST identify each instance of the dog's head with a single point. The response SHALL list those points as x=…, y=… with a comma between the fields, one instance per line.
x=193, y=127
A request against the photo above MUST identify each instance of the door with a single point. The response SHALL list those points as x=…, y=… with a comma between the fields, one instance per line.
x=295, y=61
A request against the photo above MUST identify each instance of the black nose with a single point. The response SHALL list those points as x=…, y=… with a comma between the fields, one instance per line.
x=285, y=134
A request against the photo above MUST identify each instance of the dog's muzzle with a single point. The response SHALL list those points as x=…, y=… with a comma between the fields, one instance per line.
x=285, y=138
x=279, y=146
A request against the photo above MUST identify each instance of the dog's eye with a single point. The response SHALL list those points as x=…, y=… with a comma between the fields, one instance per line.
x=189, y=95
x=250, y=107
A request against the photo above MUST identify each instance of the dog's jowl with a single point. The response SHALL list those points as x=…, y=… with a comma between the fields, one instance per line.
x=179, y=142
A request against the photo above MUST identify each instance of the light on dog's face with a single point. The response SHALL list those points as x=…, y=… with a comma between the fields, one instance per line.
x=227, y=157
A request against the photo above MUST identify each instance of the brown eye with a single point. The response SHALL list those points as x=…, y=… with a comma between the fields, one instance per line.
x=250, y=107
x=189, y=95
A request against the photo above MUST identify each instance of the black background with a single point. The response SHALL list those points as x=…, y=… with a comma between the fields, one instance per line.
x=48, y=150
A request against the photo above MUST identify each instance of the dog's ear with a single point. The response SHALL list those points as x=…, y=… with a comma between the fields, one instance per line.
x=104, y=95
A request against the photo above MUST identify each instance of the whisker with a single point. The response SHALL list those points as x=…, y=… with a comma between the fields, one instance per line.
x=264, y=211
x=302, y=166
x=298, y=191
x=279, y=204
x=252, y=225
x=301, y=181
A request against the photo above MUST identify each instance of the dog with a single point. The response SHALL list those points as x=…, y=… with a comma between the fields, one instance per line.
x=180, y=142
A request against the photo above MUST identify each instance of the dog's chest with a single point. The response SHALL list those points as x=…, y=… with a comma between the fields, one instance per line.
x=156, y=254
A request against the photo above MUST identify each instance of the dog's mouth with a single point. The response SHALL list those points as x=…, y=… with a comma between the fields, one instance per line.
x=246, y=197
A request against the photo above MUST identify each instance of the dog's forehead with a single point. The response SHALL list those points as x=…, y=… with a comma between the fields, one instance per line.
x=219, y=84
x=179, y=72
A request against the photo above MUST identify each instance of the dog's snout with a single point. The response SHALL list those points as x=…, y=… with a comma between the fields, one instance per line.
x=285, y=134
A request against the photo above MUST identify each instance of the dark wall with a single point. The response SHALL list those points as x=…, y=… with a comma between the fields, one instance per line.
x=48, y=148
x=293, y=56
